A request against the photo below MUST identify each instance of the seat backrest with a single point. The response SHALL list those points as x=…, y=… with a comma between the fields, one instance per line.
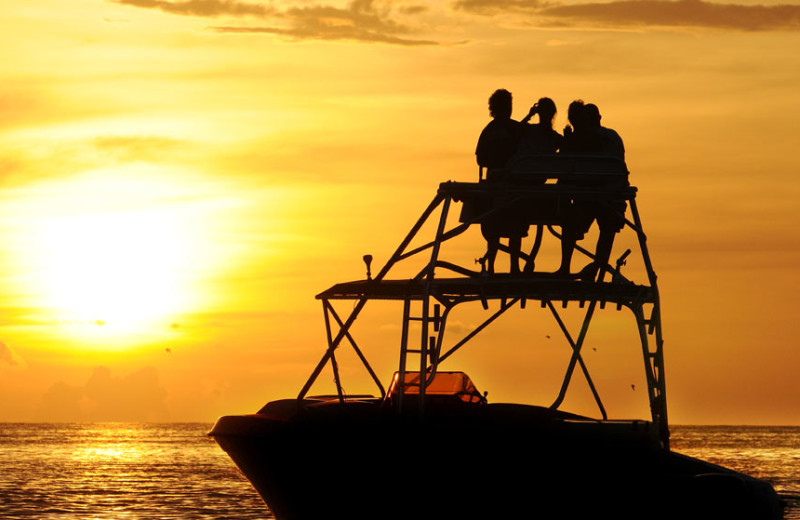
x=571, y=169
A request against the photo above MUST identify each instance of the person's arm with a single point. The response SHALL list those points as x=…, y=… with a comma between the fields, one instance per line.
x=481, y=149
x=531, y=113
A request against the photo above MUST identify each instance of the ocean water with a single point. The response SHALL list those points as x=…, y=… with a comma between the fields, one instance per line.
x=116, y=471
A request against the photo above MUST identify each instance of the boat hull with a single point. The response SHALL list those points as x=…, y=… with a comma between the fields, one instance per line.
x=360, y=460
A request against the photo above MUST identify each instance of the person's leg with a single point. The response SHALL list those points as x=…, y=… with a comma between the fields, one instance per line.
x=605, y=242
x=514, y=248
x=492, y=245
x=577, y=224
x=568, y=241
x=530, y=263
x=610, y=220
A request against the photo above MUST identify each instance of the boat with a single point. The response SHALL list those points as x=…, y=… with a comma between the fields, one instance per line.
x=429, y=443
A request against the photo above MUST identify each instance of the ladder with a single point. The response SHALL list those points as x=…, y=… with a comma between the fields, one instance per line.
x=430, y=319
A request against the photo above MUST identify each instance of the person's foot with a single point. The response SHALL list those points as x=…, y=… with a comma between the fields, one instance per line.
x=487, y=264
x=563, y=272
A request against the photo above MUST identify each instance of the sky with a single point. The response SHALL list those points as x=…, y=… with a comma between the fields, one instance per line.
x=179, y=179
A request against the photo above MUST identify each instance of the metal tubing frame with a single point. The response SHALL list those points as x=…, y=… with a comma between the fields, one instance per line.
x=503, y=308
x=654, y=372
x=654, y=360
x=332, y=357
x=403, y=350
x=653, y=357
x=426, y=303
x=328, y=308
x=576, y=356
x=333, y=344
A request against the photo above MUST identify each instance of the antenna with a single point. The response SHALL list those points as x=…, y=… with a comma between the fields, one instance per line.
x=368, y=261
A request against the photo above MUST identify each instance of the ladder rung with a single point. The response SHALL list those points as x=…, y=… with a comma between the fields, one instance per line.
x=434, y=319
x=650, y=324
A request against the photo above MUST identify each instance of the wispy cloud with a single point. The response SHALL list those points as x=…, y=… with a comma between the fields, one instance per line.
x=360, y=20
x=76, y=155
x=400, y=23
x=203, y=7
x=657, y=13
x=493, y=7
x=683, y=13
x=8, y=356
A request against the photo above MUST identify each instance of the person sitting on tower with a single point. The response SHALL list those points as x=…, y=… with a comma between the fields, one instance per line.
x=537, y=139
x=589, y=137
x=499, y=140
x=540, y=138
x=497, y=143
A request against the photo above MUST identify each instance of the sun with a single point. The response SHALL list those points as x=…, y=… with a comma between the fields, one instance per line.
x=114, y=268
x=121, y=251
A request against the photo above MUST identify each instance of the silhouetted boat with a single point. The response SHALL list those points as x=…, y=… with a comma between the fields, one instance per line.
x=432, y=446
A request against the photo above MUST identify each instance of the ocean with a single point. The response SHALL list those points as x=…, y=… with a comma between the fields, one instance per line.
x=122, y=471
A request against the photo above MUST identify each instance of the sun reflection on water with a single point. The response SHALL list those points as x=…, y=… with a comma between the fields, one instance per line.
x=107, y=452
x=119, y=471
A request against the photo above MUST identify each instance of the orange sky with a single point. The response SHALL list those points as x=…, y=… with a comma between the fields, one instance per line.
x=180, y=178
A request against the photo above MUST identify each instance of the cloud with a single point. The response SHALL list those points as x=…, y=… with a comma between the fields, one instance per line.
x=376, y=22
x=683, y=13
x=494, y=7
x=360, y=20
x=203, y=7
x=75, y=155
x=319, y=31
x=9, y=357
x=136, y=397
x=656, y=13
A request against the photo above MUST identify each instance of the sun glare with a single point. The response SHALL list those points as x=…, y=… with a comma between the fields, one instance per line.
x=114, y=253
x=113, y=268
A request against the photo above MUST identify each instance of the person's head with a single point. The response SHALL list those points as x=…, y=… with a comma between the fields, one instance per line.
x=592, y=115
x=546, y=108
x=500, y=104
x=576, y=114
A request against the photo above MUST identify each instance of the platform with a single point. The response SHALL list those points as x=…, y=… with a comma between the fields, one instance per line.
x=498, y=286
